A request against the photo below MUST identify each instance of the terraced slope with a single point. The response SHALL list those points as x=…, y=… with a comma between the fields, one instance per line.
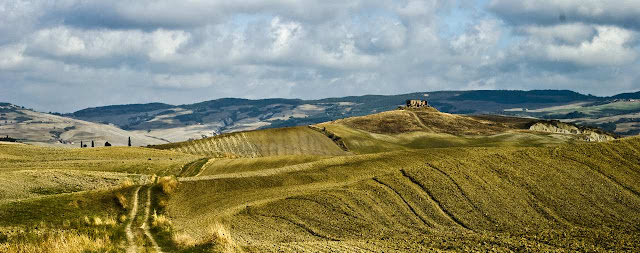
x=579, y=197
x=262, y=143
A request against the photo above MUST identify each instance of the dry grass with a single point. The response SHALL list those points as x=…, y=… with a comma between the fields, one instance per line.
x=60, y=243
x=219, y=239
x=121, y=200
x=183, y=240
x=168, y=184
x=126, y=183
x=160, y=221
x=113, y=159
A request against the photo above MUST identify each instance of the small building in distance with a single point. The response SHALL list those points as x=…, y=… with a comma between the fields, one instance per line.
x=417, y=103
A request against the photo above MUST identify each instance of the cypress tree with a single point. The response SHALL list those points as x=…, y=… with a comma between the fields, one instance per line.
x=92, y=144
x=81, y=144
x=129, y=141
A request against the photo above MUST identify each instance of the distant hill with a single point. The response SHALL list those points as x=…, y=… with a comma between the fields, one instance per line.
x=34, y=127
x=209, y=118
x=176, y=123
x=632, y=95
x=120, y=109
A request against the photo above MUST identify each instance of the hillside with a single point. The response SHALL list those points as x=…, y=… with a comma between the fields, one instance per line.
x=575, y=198
x=429, y=128
x=261, y=143
x=46, y=129
x=411, y=180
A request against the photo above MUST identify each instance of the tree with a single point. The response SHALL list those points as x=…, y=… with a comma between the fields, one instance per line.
x=81, y=144
x=129, y=142
x=92, y=144
x=107, y=144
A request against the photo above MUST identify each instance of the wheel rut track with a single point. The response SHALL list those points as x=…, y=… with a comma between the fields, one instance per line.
x=436, y=201
x=132, y=247
x=298, y=224
x=419, y=120
x=325, y=206
x=610, y=178
x=536, y=204
x=145, y=225
x=130, y=234
x=413, y=210
x=462, y=192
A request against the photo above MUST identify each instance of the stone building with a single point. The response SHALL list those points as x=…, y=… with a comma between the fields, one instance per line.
x=417, y=103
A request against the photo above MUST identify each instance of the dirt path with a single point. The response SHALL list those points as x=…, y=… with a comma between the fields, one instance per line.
x=419, y=120
x=145, y=225
x=132, y=248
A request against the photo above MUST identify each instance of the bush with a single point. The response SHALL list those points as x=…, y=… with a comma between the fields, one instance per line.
x=168, y=184
x=160, y=221
x=121, y=200
x=220, y=240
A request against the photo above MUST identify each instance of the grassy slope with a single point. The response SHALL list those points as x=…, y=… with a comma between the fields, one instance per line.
x=420, y=129
x=237, y=165
x=36, y=182
x=270, y=142
x=111, y=159
x=506, y=193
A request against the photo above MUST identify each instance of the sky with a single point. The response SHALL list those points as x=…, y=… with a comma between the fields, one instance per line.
x=66, y=55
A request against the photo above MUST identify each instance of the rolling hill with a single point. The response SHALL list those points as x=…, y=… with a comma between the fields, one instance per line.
x=429, y=128
x=157, y=123
x=209, y=118
x=402, y=180
x=576, y=198
x=269, y=142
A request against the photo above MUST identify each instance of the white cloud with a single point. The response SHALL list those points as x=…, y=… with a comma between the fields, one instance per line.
x=188, y=51
x=610, y=47
x=624, y=13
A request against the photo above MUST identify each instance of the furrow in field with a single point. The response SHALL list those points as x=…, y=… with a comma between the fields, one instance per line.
x=438, y=203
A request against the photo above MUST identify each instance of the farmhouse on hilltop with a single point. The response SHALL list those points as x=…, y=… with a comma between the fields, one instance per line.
x=417, y=103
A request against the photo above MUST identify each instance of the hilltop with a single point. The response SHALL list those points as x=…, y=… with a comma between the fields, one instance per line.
x=429, y=128
x=390, y=131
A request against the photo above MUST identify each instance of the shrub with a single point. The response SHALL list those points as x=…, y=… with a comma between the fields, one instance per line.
x=184, y=240
x=160, y=221
x=169, y=184
x=121, y=200
x=220, y=240
x=126, y=183
x=97, y=221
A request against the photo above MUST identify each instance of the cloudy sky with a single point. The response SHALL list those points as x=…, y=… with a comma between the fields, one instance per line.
x=66, y=55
